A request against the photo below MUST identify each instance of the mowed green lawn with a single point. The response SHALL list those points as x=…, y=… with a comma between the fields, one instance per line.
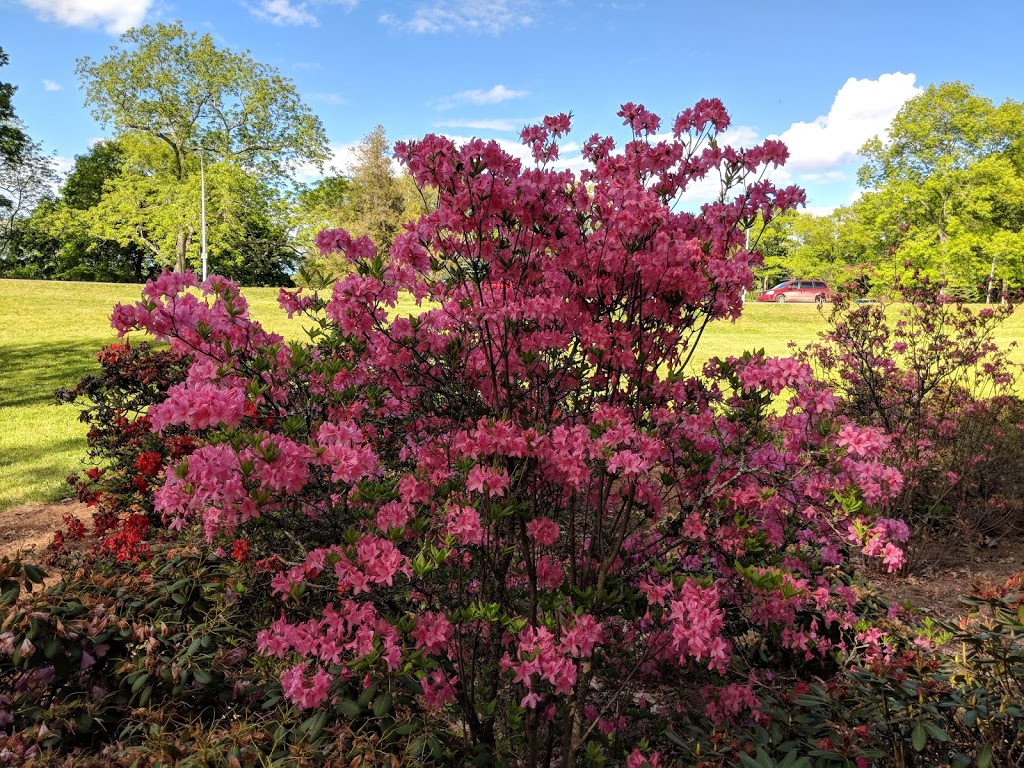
x=50, y=333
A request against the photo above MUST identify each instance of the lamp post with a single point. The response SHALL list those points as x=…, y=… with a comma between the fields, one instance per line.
x=202, y=208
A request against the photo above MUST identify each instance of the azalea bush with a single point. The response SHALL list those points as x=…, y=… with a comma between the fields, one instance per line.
x=926, y=370
x=131, y=663
x=514, y=528
x=921, y=692
x=130, y=459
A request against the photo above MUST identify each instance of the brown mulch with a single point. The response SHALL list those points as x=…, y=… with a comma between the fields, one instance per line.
x=941, y=570
x=30, y=528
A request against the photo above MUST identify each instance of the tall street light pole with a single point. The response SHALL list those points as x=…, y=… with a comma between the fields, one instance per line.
x=202, y=208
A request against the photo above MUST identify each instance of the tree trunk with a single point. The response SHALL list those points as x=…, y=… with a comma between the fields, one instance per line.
x=180, y=250
x=991, y=280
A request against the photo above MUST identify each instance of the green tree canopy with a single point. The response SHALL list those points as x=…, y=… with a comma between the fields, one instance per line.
x=57, y=241
x=375, y=200
x=170, y=96
x=945, y=191
x=12, y=137
x=947, y=128
x=804, y=245
x=27, y=175
x=26, y=179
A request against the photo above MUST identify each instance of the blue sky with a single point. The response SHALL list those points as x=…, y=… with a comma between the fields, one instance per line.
x=824, y=75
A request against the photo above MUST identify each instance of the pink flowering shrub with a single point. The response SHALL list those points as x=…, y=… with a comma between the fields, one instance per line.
x=926, y=373
x=517, y=501
x=917, y=692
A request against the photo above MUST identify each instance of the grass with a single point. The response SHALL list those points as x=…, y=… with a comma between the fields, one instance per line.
x=762, y=326
x=50, y=333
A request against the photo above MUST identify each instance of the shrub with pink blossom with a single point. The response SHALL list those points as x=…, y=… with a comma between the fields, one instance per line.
x=925, y=371
x=519, y=503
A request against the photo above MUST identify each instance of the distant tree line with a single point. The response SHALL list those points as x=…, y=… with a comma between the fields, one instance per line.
x=187, y=118
x=943, y=192
x=944, y=195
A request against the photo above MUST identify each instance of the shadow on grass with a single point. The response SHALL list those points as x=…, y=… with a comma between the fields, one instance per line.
x=32, y=372
x=37, y=472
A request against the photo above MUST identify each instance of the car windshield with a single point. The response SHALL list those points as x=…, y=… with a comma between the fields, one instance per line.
x=783, y=284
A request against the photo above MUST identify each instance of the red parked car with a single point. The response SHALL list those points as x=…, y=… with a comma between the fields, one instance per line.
x=797, y=290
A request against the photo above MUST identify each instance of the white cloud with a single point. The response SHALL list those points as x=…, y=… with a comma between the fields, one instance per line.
x=823, y=177
x=64, y=165
x=506, y=124
x=824, y=151
x=284, y=14
x=818, y=210
x=289, y=13
x=490, y=17
x=115, y=16
x=339, y=162
x=861, y=109
x=50, y=85
x=328, y=98
x=735, y=136
x=495, y=95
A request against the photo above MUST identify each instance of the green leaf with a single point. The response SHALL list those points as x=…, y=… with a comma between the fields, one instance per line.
x=202, y=676
x=919, y=738
x=83, y=723
x=793, y=760
x=435, y=747
x=314, y=724
x=52, y=647
x=985, y=757
x=139, y=682
x=382, y=705
x=408, y=727
x=676, y=739
x=349, y=708
x=34, y=574
x=367, y=695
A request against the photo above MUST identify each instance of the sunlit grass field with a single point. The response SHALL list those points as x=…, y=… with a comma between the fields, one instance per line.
x=50, y=333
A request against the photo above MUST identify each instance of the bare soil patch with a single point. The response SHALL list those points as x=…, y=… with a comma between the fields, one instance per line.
x=30, y=528
x=943, y=570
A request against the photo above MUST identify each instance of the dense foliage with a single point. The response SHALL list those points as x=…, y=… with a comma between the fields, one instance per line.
x=373, y=200
x=188, y=114
x=12, y=137
x=510, y=529
x=26, y=172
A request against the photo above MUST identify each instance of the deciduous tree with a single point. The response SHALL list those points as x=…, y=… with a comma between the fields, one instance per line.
x=947, y=180
x=25, y=179
x=12, y=137
x=172, y=96
x=375, y=200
